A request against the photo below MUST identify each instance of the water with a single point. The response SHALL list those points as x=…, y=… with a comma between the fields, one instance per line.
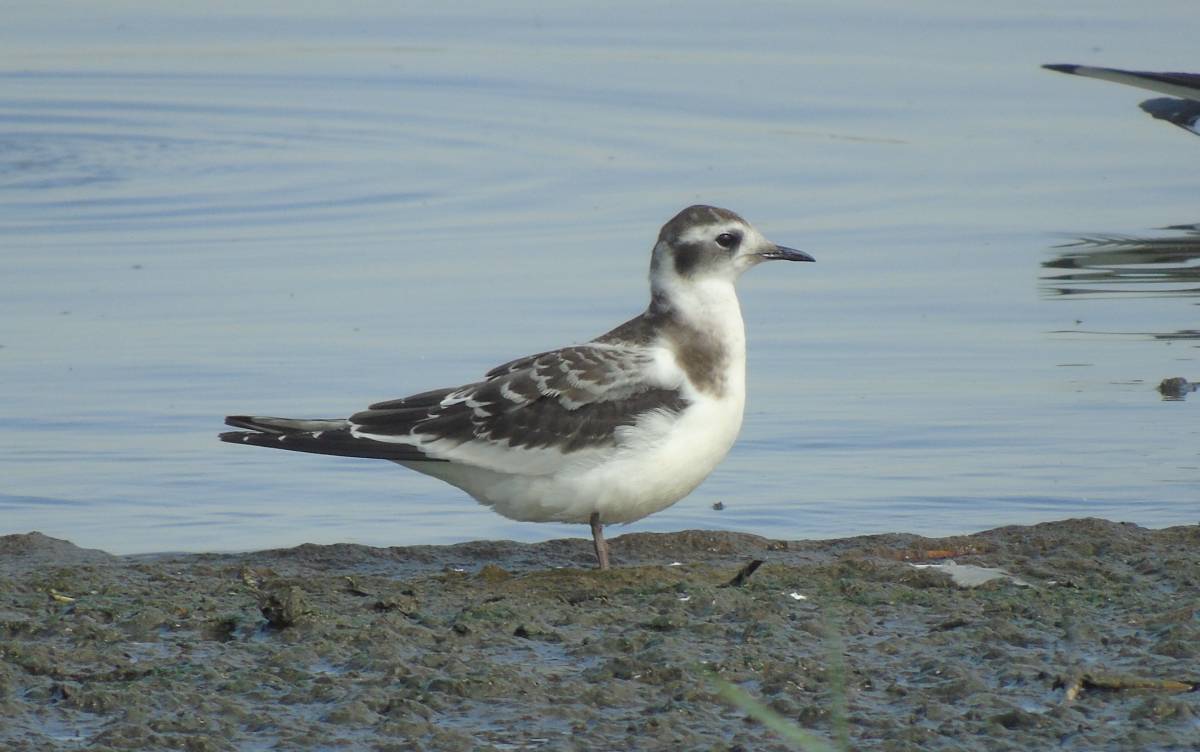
x=211, y=209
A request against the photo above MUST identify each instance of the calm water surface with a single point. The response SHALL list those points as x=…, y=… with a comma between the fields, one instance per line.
x=223, y=210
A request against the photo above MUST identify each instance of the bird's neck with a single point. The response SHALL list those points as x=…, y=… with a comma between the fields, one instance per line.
x=702, y=325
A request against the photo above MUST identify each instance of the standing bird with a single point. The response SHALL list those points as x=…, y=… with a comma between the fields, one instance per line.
x=608, y=431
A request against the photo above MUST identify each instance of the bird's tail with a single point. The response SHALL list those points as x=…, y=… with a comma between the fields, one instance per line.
x=315, y=436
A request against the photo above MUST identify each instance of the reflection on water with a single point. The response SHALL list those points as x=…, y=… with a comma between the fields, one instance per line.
x=1125, y=266
x=1154, y=266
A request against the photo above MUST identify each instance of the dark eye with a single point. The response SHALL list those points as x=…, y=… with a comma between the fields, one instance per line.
x=728, y=239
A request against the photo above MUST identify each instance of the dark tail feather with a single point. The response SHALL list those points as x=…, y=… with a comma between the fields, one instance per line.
x=316, y=437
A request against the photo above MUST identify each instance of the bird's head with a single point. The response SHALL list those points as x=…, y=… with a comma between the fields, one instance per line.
x=707, y=243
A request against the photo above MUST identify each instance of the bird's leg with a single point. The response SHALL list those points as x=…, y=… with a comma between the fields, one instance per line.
x=598, y=539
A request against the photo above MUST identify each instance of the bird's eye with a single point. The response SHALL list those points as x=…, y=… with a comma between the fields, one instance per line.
x=727, y=239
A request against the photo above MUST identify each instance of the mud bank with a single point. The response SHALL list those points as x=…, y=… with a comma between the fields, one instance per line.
x=1092, y=643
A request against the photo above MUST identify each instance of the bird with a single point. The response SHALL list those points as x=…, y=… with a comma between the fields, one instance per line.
x=1183, y=112
x=603, y=432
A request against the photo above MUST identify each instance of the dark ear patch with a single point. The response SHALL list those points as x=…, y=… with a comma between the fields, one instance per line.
x=687, y=257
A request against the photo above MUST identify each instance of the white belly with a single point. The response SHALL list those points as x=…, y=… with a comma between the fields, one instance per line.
x=656, y=463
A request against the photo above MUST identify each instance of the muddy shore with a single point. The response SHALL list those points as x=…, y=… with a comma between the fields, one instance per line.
x=1091, y=642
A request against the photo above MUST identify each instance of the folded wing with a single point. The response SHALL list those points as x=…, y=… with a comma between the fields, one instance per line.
x=566, y=401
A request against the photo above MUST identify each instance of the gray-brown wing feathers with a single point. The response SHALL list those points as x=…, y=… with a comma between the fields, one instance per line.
x=572, y=398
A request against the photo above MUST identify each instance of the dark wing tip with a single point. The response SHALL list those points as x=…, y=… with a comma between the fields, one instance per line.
x=1062, y=67
x=336, y=443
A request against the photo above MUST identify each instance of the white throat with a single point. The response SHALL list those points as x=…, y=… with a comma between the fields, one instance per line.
x=706, y=328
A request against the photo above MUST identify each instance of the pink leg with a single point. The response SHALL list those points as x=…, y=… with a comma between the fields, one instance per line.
x=598, y=539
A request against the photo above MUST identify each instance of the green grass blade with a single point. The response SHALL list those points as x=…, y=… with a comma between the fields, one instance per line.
x=787, y=729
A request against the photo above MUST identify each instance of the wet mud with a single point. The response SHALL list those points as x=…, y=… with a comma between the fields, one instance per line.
x=1088, y=638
